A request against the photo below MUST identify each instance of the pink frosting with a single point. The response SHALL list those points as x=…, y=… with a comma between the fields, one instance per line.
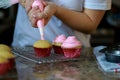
x=60, y=39
x=71, y=42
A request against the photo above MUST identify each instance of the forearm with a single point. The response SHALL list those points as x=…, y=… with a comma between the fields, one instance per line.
x=86, y=21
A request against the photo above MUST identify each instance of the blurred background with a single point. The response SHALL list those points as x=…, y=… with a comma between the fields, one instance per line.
x=106, y=34
x=7, y=23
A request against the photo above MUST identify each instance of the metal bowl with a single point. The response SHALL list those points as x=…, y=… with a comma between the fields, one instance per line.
x=112, y=54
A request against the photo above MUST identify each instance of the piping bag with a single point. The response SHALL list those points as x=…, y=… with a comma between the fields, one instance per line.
x=40, y=23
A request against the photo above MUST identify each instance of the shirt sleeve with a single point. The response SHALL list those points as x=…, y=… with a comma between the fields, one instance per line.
x=98, y=4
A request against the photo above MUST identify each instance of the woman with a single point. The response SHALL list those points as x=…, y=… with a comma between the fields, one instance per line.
x=68, y=17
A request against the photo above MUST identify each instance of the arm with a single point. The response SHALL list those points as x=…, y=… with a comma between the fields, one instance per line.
x=86, y=21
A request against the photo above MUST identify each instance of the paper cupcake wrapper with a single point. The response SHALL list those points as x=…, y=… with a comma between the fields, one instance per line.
x=11, y=63
x=71, y=53
x=42, y=52
x=58, y=49
x=3, y=69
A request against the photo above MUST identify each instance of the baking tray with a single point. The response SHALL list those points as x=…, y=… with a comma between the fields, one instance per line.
x=27, y=56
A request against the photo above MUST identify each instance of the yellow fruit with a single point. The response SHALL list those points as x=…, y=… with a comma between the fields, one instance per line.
x=4, y=47
x=6, y=54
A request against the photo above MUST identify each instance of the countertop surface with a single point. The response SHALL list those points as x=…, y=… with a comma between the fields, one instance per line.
x=84, y=69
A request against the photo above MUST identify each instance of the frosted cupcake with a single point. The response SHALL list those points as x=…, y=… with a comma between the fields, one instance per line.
x=57, y=44
x=42, y=48
x=71, y=47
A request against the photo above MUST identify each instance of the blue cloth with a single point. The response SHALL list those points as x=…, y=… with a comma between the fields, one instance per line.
x=106, y=66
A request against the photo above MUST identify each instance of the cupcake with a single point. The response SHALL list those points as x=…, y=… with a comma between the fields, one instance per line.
x=5, y=52
x=57, y=44
x=42, y=48
x=3, y=66
x=9, y=56
x=71, y=47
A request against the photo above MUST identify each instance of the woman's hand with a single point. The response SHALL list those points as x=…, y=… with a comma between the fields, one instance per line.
x=35, y=14
x=27, y=4
x=22, y=2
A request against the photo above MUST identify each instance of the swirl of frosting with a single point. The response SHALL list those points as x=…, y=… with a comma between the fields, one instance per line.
x=60, y=38
x=71, y=42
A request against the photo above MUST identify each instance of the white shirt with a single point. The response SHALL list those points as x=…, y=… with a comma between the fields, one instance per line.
x=25, y=34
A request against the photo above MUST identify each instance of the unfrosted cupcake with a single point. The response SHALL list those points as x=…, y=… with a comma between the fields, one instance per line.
x=57, y=44
x=42, y=48
x=9, y=56
x=4, y=47
x=71, y=47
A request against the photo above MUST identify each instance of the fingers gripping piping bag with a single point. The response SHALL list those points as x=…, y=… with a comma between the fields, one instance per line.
x=40, y=23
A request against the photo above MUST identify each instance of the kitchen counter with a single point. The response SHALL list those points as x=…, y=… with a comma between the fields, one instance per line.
x=11, y=75
x=84, y=69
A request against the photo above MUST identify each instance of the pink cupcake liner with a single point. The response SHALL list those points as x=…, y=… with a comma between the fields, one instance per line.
x=72, y=53
x=11, y=63
x=3, y=69
x=42, y=52
x=58, y=49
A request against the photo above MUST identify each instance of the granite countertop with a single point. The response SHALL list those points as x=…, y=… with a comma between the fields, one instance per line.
x=84, y=69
